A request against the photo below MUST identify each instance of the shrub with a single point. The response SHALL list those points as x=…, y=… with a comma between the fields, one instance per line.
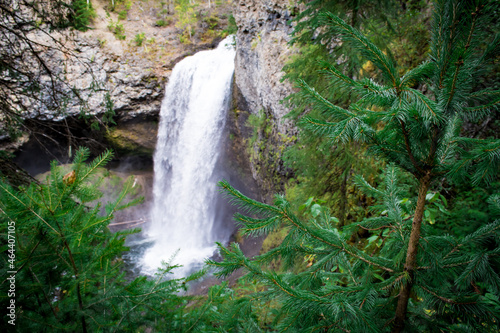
x=232, y=28
x=139, y=39
x=83, y=14
x=122, y=15
x=163, y=22
x=117, y=29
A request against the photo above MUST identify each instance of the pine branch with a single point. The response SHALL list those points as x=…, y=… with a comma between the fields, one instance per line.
x=335, y=74
x=341, y=131
x=444, y=299
x=364, y=45
x=11, y=194
x=257, y=226
x=251, y=206
x=318, y=234
x=206, y=307
x=325, y=106
x=47, y=300
x=479, y=112
x=98, y=162
x=417, y=74
x=426, y=108
x=409, y=150
x=127, y=188
x=446, y=152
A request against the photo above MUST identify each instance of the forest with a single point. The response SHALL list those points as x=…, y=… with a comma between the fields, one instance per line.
x=388, y=219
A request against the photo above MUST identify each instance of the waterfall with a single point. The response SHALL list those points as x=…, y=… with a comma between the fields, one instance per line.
x=192, y=120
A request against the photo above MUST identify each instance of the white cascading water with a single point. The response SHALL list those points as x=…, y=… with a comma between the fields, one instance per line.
x=192, y=119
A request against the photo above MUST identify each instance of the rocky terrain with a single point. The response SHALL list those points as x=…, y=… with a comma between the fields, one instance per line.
x=123, y=62
x=264, y=29
x=133, y=61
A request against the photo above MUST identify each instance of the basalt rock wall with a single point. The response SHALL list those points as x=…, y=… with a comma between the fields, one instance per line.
x=264, y=29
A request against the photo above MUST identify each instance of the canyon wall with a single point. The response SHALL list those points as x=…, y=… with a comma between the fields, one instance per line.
x=264, y=29
x=125, y=71
x=135, y=75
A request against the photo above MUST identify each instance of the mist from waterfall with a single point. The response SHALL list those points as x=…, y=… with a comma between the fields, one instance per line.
x=192, y=119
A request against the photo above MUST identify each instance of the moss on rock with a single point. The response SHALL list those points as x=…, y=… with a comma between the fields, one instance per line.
x=133, y=138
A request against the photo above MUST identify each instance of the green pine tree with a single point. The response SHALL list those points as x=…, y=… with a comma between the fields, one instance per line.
x=67, y=265
x=407, y=277
x=321, y=170
x=82, y=14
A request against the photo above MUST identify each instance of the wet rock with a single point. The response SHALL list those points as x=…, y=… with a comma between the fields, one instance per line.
x=262, y=51
x=134, y=138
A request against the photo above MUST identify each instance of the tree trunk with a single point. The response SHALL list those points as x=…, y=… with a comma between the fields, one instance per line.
x=80, y=305
x=411, y=255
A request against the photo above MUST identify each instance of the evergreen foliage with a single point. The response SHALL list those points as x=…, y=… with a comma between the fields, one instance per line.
x=414, y=278
x=317, y=43
x=83, y=14
x=186, y=18
x=348, y=288
x=69, y=275
x=323, y=170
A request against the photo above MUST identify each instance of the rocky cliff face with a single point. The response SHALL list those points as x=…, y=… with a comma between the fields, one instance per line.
x=133, y=86
x=262, y=50
x=263, y=34
x=82, y=63
x=125, y=71
x=134, y=75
